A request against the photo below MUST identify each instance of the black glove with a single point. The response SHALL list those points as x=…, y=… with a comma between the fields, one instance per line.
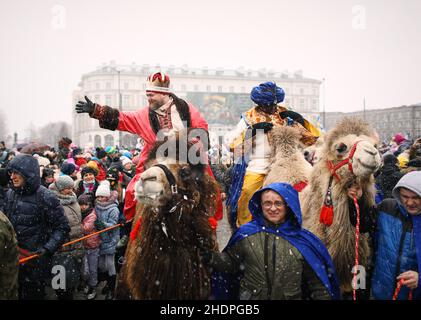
x=265, y=126
x=293, y=115
x=206, y=255
x=99, y=225
x=85, y=107
x=43, y=253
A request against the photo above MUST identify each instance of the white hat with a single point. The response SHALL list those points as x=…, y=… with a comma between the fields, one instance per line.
x=125, y=160
x=103, y=189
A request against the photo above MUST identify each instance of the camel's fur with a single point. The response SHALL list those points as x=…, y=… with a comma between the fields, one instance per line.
x=287, y=162
x=163, y=261
x=339, y=238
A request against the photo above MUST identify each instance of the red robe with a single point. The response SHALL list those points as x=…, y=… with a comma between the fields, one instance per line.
x=137, y=122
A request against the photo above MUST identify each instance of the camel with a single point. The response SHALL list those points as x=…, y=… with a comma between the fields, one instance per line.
x=176, y=200
x=313, y=153
x=351, y=135
x=287, y=163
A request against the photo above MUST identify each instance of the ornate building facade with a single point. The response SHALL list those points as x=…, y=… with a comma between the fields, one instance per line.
x=220, y=94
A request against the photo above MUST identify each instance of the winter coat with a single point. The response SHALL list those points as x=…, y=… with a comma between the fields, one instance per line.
x=294, y=257
x=8, y=260
x=71, y=256
x=388, y=178
x=108, y=213
x=88, y=226
x=80, y=188
x=34, y=211
x=394, y=231
x=74, y=217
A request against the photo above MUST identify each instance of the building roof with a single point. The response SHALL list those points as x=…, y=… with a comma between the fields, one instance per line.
x=204, y=72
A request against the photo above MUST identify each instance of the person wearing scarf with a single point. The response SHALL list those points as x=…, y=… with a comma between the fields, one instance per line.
x=88, y=184
x=395, y=226
x=273, y=257
x=71, y=256
x=252, y=150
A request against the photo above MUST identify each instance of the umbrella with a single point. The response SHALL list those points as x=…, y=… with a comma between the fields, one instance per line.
x=35, y=147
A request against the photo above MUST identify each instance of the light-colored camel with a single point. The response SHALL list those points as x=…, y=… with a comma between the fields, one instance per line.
x=339, y=238
x=287, y=163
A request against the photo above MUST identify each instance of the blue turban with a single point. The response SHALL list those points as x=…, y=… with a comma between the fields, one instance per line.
x=267, y=94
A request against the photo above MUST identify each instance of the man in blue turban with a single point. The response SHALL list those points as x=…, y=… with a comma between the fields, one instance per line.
x=252, y=163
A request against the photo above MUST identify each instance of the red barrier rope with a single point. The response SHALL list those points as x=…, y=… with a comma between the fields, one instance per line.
x=357, y=239
x=398, y=289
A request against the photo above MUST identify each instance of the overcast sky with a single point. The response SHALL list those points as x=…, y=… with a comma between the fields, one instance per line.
x=367, y=48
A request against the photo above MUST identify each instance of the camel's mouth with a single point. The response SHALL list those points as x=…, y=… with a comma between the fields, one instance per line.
x=367, y=166
x=151, y=196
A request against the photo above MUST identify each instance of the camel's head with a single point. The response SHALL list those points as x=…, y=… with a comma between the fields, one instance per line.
x=352, y=138
x=171, y=172
x=165, y=182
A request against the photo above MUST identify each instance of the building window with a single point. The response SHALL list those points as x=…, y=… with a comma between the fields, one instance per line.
x=314, y=103
x=219, y=88
x=97, y=85
x=108, y=85
x=126, y=100
x=126, y=85
x=301, y=90
x=208, y=88
x=231, y=89
x=243, y=89
x=108, y=100
x=183, y=87
x=108, y=140
x=196, y=87
x=302, y=103
x=144, y=86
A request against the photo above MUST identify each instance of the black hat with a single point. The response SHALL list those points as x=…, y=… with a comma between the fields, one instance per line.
x=101, y=153
x=87, y=169
x=67, y=168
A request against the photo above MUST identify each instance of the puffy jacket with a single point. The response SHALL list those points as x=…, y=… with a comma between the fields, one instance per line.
x=108, y=213
x=287, y=269
x=88, y=226
x=34, y=211
x=395, y=250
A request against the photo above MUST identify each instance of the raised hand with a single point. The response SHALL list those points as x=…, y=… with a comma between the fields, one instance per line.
x=85, y=107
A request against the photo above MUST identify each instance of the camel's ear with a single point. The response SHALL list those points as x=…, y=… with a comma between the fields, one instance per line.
x=185, y=173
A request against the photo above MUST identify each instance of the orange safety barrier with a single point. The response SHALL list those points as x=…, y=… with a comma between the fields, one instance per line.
x=75, y=241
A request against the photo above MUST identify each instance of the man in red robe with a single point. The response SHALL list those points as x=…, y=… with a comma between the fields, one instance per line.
x=165, y=112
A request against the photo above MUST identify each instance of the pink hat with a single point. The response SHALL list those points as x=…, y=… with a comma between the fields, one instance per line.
x=399, y=138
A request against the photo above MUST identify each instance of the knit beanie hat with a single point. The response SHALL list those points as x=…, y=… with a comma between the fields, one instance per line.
x=101, y=154
x=110, y=150
x=125, y=160
x=67, y=168
x=390, y=159
x=85, y=199
x=47, y=172
x=103, y=189
x=64, y=182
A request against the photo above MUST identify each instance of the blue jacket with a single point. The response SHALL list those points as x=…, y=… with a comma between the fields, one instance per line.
x=395, y=251
x=310, y=247
x=34, y=211
x=108, y=213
